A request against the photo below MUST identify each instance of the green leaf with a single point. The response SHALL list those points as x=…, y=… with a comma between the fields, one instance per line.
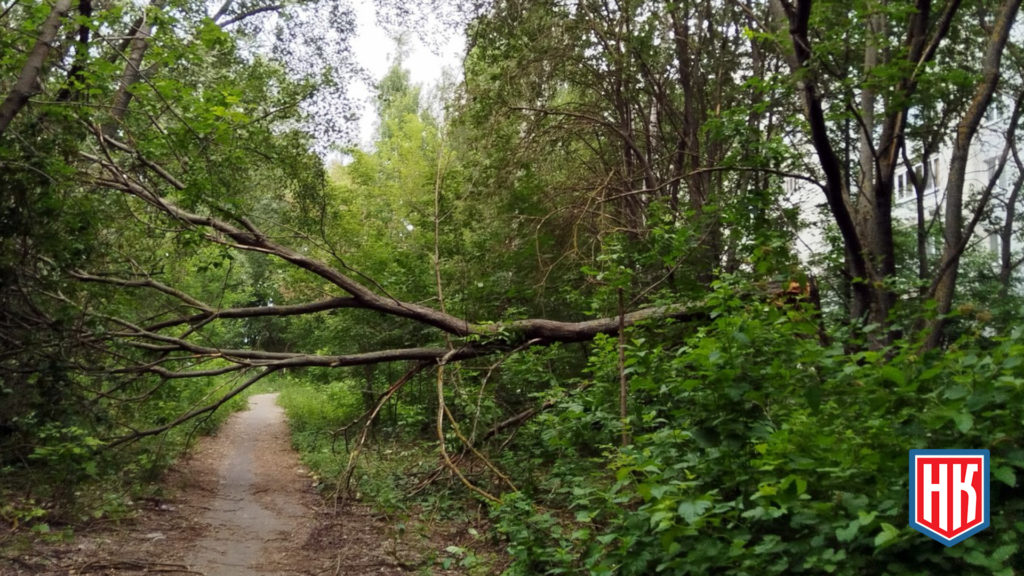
x=847, y=534
x=964, y=421
x=865, y=518
x=1006, y=475
x=694, y=509
x=887, y=535
x=1003, y=553
x=956, y=392
x=894, y=375
x=978, y=558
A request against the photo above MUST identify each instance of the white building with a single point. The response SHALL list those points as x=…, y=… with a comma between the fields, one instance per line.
x=986, y=152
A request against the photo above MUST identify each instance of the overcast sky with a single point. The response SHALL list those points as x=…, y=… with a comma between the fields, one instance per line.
x=375, y=49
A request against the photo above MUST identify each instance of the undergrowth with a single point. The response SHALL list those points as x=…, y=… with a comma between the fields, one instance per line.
x=397, y=473
x=756, y=445
x=66, y=476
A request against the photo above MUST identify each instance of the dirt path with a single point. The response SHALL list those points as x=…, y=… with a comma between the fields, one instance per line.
x=260, y=510
x=241, y=505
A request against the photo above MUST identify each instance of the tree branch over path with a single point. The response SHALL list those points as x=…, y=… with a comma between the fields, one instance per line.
x=178, y=355
x=192, y=414
x=248, y=237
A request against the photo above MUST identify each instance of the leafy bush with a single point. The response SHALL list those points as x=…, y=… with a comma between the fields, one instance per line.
x=757, y=449
x=68, y=474
x=315, y=413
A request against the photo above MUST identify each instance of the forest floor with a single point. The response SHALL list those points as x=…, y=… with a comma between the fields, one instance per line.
x=240, y=504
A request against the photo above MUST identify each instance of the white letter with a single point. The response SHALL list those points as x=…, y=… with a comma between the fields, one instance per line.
x=940, y=487
x=961, y=487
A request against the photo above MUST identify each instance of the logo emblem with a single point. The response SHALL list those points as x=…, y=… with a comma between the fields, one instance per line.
x=949, y=493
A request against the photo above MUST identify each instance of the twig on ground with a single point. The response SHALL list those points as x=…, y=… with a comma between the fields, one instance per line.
x=149, y=567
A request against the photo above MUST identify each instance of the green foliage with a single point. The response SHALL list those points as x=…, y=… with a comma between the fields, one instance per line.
x=206, y=113
x=599, y=158
x=68, y=476
x=759, y=450
x=316, y=413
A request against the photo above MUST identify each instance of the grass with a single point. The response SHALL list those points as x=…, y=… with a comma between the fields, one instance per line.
x=393, y=475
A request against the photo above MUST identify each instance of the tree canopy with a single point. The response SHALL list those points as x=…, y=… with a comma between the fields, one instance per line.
x=577, y=270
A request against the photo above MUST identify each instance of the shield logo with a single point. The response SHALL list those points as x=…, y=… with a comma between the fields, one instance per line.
x=949, y=493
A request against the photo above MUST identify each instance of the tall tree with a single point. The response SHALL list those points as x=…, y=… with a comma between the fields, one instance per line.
x=931, y=40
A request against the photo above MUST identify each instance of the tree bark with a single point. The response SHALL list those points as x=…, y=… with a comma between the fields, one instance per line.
x=944, y=286
x=30, y=79
x=137, y=48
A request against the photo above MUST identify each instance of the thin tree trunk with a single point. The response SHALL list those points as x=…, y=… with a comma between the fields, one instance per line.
x=1006, y=263
x=688, y=153
x=868, y=213
x=623, y=382
x=137, y=48
x=29, y=80
x=944, y=285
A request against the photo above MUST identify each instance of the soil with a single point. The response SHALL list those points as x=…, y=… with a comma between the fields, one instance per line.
x=241, y=504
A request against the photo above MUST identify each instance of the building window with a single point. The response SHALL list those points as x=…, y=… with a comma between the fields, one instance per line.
x=994, y=244
x=991, y=165
x=904, y=189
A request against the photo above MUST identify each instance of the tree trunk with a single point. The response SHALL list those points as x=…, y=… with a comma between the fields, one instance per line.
x=689, y=155
x=137, y=48
x=1006, y=263
x=871, y=304
x=944, y=285
x=30, y=80
x=837, y=194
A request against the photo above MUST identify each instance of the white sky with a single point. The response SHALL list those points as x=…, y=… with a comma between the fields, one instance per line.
x=375, y=49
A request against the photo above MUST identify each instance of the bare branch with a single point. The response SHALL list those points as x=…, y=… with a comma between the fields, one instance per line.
x=171, y=375
x=353, y=455
x=160, y=170
x=248, y=14
x=298, y=359
x=522, y=417
x=192, y=414
x=252, y=239
x=261, y=311
x=147, y=283
x=441, y=410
